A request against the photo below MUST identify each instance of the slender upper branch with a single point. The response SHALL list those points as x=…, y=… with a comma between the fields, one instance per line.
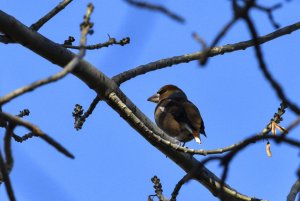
x=163, y=63
x=37, y=25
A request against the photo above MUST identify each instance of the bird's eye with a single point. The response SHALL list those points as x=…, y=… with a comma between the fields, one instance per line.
x=161, y=91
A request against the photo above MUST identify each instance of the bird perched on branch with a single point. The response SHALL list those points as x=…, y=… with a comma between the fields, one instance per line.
x=176, y=115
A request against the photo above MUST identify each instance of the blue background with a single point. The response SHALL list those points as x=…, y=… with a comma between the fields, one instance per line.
x=113, y=162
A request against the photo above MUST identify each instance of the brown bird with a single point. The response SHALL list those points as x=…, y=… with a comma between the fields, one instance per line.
x=176, y=115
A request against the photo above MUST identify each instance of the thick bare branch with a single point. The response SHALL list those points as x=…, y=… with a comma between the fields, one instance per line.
x=109, y=91
x=168, y=62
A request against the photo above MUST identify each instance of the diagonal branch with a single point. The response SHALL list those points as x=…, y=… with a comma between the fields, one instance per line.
x=108, y=90
x=158, y=8
x=16, y=93
x=168, y=62
x=278, y=89
x=294, y=191
x=34, y=129
x=36, y=26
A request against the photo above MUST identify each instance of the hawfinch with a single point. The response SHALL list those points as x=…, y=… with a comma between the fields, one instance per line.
x=176, y=115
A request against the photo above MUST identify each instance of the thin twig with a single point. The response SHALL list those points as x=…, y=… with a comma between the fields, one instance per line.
x=269, y=11
x=23, y=113
x=200, y=40
x=111, y=41
x=158, y=188
x=81, y=119
x=69, y=67
x=34, y=129
x=217, y=39
x=36, y=26
x=158, y=8
x=293, y=124
x=181, y=182
x=24, y=137
x=6, y=179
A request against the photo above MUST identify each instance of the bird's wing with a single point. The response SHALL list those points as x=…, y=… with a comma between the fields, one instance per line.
x=193, y=116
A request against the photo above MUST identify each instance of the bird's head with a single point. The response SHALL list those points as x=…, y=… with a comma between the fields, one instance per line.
x=168, y=91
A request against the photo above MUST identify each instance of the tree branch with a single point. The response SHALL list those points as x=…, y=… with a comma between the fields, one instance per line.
x=294, y=191
x=168, y=62
x=258, y=52
x=158, y=8
x=111, y=41
x=36, y=26
x=6, y=179
x=18, y=121
x=108, y=90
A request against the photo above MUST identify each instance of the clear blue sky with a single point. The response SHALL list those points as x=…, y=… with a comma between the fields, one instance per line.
x=113, y=162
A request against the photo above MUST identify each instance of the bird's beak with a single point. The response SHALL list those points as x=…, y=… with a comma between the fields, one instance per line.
x=154, y=98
